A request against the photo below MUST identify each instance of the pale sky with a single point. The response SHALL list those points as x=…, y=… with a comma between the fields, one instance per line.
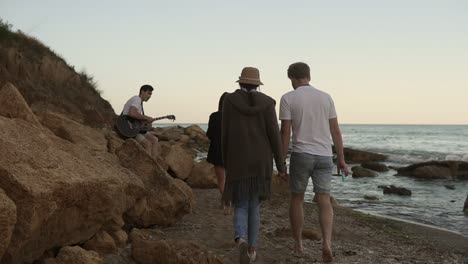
x=383, y=62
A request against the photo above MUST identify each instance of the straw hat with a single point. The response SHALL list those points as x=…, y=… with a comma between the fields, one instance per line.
x=250, y=75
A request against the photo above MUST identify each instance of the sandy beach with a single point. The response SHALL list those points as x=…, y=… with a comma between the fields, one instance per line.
x=358, y=237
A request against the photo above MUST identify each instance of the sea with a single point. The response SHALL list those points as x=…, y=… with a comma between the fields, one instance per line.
x=436, y=203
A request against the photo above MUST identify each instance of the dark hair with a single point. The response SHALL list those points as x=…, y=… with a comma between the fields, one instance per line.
x=221, y=100
x=249, y=86
x=298, y=70
x=146, y=88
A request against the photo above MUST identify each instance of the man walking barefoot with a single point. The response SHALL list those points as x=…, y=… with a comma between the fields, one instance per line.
x=312, y=116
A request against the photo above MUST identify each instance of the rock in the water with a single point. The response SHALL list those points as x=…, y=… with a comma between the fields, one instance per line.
x=357, y=156
x=371, y=197
x=446, y=169
x=396, y=190
x=450, y=186
x=359, y=171
x=375, y=166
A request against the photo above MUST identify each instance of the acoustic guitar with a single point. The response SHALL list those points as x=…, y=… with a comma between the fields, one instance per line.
x=128, y=127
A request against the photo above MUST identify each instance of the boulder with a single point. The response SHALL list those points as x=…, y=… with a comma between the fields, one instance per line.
x=149, y=249
x=446, y=169
x=198, y=137
x=375, y=166
x=358, y=156
x=450, y=186
x=180, y=161
x=114, y=141
x=359, y=172
x=102, y=242
x=396, y=190
x=7, y=220
x=75, y=255
x=120, y=238
x=63, y=192
x=72, y=131
x=203, y=176
x=13, y=105
x=173, y=133
x=114, y=224
x=165, y=201
x=371, y=197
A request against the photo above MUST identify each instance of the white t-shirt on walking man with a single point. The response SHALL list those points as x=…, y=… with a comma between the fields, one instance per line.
x=309, y=110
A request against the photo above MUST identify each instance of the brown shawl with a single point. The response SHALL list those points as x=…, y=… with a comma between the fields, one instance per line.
x=250, y=139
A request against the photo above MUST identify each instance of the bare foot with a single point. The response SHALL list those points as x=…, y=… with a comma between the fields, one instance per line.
x=327, y=255
x=299, y=248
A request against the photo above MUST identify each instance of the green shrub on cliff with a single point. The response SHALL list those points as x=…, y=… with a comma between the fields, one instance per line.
x=5, y=29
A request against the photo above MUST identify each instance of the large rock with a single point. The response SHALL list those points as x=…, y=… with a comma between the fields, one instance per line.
x=13, y=105
x=180, y=161
x=203, y=176
x=173, y=133
x=102, y=242
x=165, y=201
x=198, y=138
x=447, y=169
x=148, y=248
x=359, y=171
x=375, y=166
x=7, y=221
x=74, y=132
x=396, y=190
x=114, y=141
x=358, y=156
x=75, y=255
x=63, y=193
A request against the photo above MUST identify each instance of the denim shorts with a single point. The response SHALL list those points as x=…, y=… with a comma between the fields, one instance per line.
x=303, y=166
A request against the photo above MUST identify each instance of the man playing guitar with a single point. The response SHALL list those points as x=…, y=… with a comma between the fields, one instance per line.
x=134, y=109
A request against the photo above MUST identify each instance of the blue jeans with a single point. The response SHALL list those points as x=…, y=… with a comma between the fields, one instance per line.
x=247, y=219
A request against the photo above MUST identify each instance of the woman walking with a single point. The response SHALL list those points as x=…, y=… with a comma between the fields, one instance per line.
x=250, y=139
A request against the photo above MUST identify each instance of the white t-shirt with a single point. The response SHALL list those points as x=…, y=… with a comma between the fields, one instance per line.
x=309, y=110
x=135, y=101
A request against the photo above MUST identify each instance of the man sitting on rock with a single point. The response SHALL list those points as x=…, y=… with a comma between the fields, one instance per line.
x=134, y=109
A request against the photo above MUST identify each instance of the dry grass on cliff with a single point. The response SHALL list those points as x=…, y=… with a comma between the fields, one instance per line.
x=37, y=50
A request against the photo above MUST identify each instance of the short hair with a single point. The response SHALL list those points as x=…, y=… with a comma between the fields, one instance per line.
x=249, y=86
x=146, y=88
x=298, y=70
